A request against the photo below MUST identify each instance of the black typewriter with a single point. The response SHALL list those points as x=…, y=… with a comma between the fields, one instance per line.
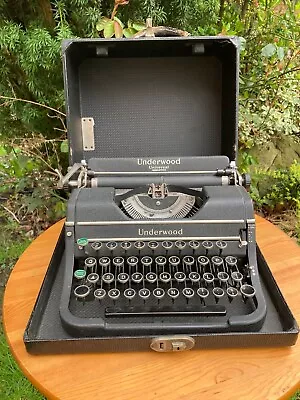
x=158, y=249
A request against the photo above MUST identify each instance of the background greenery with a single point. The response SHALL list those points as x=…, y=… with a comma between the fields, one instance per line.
x=33, y=143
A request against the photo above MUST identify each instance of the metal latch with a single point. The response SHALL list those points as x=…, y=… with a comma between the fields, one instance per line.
x=88, y=138
x=172, y=343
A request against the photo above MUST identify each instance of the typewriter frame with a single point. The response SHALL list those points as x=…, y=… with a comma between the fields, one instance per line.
x=101, y=142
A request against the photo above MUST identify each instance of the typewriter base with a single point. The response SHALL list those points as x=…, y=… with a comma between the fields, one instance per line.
x=44, y=333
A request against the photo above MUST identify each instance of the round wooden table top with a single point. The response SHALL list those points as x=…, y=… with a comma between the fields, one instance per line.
x=233, y=374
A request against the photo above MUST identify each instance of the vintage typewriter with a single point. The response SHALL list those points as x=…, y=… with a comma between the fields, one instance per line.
x=158, y=249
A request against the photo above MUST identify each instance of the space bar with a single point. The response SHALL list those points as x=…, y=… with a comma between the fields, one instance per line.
x=206, y=311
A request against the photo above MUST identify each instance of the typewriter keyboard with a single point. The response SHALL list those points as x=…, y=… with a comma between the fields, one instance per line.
x=162, y=284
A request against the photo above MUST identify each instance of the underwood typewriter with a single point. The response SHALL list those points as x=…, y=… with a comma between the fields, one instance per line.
x=158, y=249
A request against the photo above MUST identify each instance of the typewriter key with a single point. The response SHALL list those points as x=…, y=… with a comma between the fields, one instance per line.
x=207, y=244
x=144, y=293
x=153, y=245
x=114, y=294
x=146, y=260
x=151, y=277
x=232, y=292
x=158, y=293
x=194, y=277
x=129, y=293
x=188, y=260
x=216, y=260
x=231, y=261
x=118, y=262
x=223, y=276
x=218, y=292
x=247, y=290
x=174, y=261
x=180, y=244
x=132, y=261
x=81, y=291
x=208, y=277
x=236, y=276
x=160, y=261
x=165, y=277
x=99, y=294
x=166, y=244
x=188, y=292
x=96, y=246
x=90, y=262
x=123, y=277
x=82, y=242
x=111, y=245
x=137, y=277
x=104, y=261
x=125, y=245
x=202, y=260
x=180, y=276
x=139, y=245
x=221, y=244
x=202, y=292
x=92, y=278
x=194, y=244
x=80, y=274
x=173, y=293
x=108, y=277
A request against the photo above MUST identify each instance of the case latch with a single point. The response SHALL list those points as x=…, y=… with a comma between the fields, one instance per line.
x=172, y=343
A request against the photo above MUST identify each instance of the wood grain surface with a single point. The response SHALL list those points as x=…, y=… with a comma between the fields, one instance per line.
x=229, y=374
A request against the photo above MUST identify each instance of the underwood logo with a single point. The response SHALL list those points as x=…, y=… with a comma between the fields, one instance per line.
x=159, y=232
x=162, y=162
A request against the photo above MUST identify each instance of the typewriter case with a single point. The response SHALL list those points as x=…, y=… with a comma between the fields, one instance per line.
x=130, y=101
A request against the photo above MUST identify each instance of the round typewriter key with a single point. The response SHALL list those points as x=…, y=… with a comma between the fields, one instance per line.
x=80, y=274
x=158, y=293
x=231, y=260
x=180, y=244
x=202, y=292
x=153, y=245
x=165, y=277
x=81, y=291
x=82, y=242
x=90, y=262
x=180, y=276
x=139, y=245
x=166, y=244
x=104, y=261
x=129, y=293
x=236, y=276
x=207, y=244
x=137, y=277
x=223, y=276
x=146, y=260
x=194, y=244
x=125, y=245
x=232, y=292
x=132, y=261
x=217, y=260
x=111, y=245
x=202, y=260
x=194, y=277
x=151, y=277
x=247, y=290
x=160, y=260
x=221, y=244
x=118, y=261
x=114, y=294
x=123, y=277
x=188, y=260
x=218, y=292
x=208, y=277
x=144, y=293
x=92, y=278
x=174, y=261
x=108, y=277
x=96, y=246
x=188, y=292
x=173, y=293
x=99, y=294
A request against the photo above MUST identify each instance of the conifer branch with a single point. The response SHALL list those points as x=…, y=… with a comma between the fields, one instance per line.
x=32, y=102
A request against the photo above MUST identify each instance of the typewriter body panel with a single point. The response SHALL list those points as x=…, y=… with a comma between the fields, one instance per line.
x=160, y=230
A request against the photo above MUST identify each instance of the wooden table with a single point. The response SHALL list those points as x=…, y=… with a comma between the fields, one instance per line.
x=237, y=374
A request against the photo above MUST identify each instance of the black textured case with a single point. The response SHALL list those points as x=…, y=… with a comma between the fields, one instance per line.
x=44, y=333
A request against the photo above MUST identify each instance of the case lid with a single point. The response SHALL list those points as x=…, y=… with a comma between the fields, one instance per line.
x=151, y=97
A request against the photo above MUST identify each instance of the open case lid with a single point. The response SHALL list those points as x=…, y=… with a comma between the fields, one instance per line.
x=151, y=97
